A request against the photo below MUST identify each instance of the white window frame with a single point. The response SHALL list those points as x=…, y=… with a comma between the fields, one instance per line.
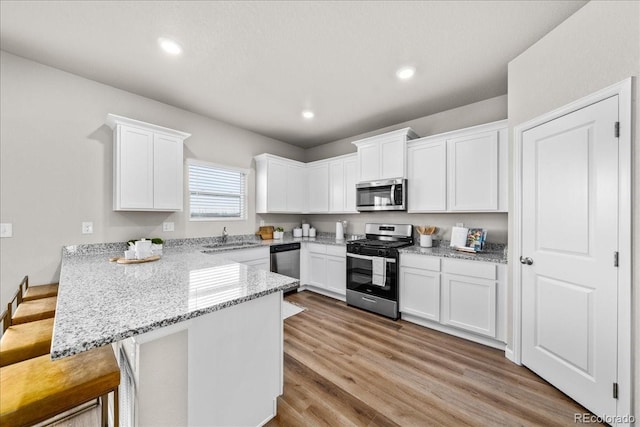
x=246, y=173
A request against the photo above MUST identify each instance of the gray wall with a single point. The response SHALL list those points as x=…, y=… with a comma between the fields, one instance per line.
x=477, y=113
x=596, y=47
x=56, y=167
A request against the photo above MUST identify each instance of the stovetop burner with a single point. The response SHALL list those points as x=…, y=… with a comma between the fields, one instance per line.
x=382, y=240
x=380, y=243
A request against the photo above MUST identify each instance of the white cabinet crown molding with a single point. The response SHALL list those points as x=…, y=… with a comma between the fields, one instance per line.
x=113, y=120
x=408, y=132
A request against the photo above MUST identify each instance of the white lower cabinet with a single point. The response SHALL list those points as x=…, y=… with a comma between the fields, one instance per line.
x=420, y=293
x=323, y=269
x=254, y=257
x=469, y=303
x=460, y=297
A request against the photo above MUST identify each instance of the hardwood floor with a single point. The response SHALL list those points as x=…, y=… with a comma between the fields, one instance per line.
x=344, y=366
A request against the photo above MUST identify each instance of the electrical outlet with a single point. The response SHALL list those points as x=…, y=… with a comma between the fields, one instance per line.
x=168, y=226
x=261, y=222
x=87, y=227
x=6, y=229
x=459, y=224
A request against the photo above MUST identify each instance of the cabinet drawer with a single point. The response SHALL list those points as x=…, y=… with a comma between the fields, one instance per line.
x=317, y=248
x=423, y=262
x=336, y=250
x=484, y=270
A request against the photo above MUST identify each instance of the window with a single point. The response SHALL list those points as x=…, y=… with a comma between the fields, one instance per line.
x=216, y=192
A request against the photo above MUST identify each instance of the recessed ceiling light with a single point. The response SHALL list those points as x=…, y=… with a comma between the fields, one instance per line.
x=170, y=46
x=308, y=114
x=405, y=73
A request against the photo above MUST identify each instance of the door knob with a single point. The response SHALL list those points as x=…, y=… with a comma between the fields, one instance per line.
x=526, y=260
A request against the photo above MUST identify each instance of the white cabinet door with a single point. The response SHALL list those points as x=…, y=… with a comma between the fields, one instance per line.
x=469, y=303
x=336, y=280
x=336, y=186
x=167, y=171
x=317, y=270
x=392, y=158
x=350, y=180
x=277, y=186
x=296, y=188
x=318, y=194
x=147, y=166
x=427, y=176
x=473, y=172
x=369, y=162
x=133, y=186
x=420, y=293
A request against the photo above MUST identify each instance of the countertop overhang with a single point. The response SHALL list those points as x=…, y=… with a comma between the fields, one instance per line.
x=101, y=302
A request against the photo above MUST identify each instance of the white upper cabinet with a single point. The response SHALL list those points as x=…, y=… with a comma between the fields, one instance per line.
x=296, y=187
x=342, y=184
x=288, y=186
x=280, y=185
x=148, y=166
x=427, y=175
x=460, y=171
x=384, y=156
x=318, y=176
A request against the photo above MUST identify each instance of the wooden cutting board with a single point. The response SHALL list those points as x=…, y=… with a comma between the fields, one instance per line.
x=266, y=232
x=134, y=261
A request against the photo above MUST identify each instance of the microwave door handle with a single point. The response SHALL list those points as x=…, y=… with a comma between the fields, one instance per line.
x=393, y=194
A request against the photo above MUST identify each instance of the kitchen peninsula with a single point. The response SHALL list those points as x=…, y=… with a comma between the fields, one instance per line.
x=200, y=336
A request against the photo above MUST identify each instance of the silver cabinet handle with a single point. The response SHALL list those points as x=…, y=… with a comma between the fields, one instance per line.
x=369, y=300
x=526, y=260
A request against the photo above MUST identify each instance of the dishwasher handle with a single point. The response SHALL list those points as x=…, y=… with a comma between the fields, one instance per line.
x=285, y=247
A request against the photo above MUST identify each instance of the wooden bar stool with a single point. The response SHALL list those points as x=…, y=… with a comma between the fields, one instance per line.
x=24, y=341
x=38, y=389
x=29, y=311
x=31, y=293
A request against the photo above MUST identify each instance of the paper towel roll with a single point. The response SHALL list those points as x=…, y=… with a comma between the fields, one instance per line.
x=339, y=231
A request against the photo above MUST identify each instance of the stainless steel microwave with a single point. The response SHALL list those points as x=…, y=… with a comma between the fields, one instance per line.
x=382, y=195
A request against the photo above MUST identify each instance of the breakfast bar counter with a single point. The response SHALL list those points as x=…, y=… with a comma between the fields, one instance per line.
x=201, y=335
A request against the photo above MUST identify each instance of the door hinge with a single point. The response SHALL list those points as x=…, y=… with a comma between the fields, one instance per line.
x=617, y=129
x=615, y=390
x=615, y=259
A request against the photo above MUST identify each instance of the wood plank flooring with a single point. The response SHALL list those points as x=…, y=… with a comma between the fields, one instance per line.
x=347, y=367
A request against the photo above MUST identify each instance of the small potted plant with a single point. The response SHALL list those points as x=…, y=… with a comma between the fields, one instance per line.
x=156, y=246
x=278, y=233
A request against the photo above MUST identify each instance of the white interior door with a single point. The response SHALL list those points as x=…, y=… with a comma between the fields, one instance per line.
x=569, y=291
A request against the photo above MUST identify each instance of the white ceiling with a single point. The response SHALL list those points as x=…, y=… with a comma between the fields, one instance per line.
x=258, y=64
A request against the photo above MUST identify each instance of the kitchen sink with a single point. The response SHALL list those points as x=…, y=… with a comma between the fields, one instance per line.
x=229, y=245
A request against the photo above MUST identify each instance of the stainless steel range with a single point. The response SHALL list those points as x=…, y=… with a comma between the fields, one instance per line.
x=372, y=268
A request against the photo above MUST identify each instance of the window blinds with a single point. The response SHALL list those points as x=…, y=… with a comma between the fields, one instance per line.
x=216, y=192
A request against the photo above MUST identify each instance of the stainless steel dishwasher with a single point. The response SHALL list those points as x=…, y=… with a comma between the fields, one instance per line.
x=285, y=259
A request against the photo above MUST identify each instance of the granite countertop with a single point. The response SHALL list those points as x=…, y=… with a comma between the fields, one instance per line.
x=494, y=254
x=101, y=302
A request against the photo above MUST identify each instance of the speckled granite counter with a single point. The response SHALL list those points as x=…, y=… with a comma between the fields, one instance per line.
x=100, y=302
x=496, y=254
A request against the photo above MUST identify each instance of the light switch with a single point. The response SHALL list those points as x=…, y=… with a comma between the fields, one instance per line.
x=168, y=226
x=87, y=227
x=6, y=229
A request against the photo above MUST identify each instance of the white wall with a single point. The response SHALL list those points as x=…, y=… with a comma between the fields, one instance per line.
x=594, y=48
x=56, y=167
x=486, y=111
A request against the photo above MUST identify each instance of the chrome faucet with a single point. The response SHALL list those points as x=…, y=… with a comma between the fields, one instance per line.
x=225, y=235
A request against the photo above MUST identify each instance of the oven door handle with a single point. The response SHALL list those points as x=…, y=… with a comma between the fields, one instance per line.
x=369, y=258
x=393, y=194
